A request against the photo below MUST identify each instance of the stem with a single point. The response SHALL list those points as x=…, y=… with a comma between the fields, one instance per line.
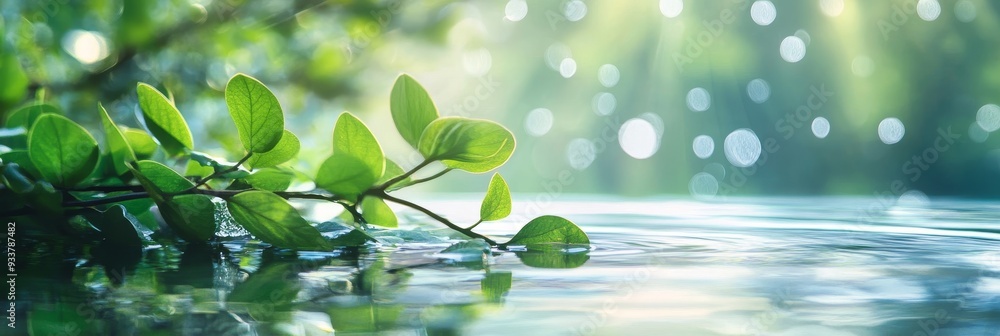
x=106, y=200
x=216, y=174
x=107, y=189
x=437, y=217
x=396, y=179
x=473, y=226
x=419, y=181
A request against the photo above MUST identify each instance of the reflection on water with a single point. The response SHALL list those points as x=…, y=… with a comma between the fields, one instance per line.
x=656, y=267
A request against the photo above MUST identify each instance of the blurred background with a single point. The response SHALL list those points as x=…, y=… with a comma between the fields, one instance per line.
x=703, y=98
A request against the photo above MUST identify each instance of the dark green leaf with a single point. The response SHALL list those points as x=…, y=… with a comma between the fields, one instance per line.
x=549, y=230
x=270, y=179
x=164, y=121
x=412, y=108
x=117, y=226
x=286, y=149
x=26, y=116
x=118, y=147
x=378, y=213
x=497, y=204
x=63, y=152
x=256, y=112
x=357, y=161
x=473, y=145
x=271, y=219
x=21, y=157
x=142, y=143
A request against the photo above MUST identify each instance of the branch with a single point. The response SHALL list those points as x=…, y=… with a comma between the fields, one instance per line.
x=396, y=179
x=216, y=174
x=419, y=181
x=437, y=217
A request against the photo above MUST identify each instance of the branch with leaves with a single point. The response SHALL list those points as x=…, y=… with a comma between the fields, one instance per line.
x=56, y=167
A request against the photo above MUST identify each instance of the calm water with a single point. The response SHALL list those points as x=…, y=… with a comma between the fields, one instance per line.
x=795, y=266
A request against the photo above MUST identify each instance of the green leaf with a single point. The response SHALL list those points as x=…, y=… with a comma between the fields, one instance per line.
x=192, y=217
x=271, y=219
x=378, y=213
x=39, y=195
x=16, y=138
x=166, y=180
x=549, y=230
x=21, y=157
x=412, y=109
x=118, y=147
x=497, y=204
x=286, y=149
x=352, y=238
x=63, y=152
x=393, y=170
x=553, y=259
x=164, y=121
x=117, y=226
x=270, y=179
x=268, y=291
x=256, y=112
x=495, y=285
x=142, y=143
x=365, y=318
x=473, y=145
x=26, y=116
x=357, y=161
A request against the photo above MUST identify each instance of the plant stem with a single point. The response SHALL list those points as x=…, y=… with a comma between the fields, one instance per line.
x=216, y=174
x=437, y=217
x=396, y=179
x=106, y=200
x=419, y=181
x=107, y=189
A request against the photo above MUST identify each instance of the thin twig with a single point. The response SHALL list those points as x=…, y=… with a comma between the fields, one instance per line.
x=437, y=217
x=422, y=180
x=396, y=179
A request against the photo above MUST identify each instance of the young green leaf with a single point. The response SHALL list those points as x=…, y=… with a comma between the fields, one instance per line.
x=547, y=230
x=270, y=179
x=164, y=121
x=271, y=219
x=497, y=204
x=118, y=147
x=412, y=108
x=376, y=212
x=63, y=152
x=357, y=161
x=473, y=145
x=26, y=116
x=256, y=112
x=142, y=143
x=286, y=149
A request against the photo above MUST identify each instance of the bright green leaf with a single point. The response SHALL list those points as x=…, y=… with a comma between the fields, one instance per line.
x=412, y=109
x=549, y=230
x=270, y=179
x=357, y=161
x=164, y=121
x=256, y=112
x=286, y=149
x=121, y=152
x=473, y=145
x=271, y=219
x=166, y=180
x=63, y=152
x=26, y=116
x=497, y=204
x=142, y=143
x=378, y=213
